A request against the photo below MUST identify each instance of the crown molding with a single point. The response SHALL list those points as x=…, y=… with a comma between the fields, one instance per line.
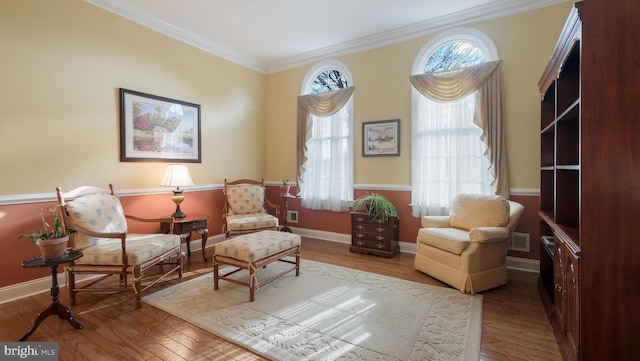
x=179, y=34
x=491, y=11
x=479, y=14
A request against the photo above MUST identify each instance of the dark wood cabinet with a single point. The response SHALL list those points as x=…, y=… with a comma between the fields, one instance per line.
x=560, y=174
x=590, y=183
x=377, y=237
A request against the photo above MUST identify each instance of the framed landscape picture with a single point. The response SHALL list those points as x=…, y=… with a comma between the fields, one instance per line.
x=158, y=129
x=381, y=138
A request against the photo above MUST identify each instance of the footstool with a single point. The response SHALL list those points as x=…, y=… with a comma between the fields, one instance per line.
x=255, y=250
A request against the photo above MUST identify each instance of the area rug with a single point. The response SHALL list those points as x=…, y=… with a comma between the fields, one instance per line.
x=332, y=313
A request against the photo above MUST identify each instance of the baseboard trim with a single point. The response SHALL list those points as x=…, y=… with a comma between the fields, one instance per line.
x=523, y=264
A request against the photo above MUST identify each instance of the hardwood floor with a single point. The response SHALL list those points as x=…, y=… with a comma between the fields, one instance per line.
x=514, y=324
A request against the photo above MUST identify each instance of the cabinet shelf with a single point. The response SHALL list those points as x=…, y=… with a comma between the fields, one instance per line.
x=568, y=83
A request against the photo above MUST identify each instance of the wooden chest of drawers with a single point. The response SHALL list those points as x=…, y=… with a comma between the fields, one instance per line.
x=377, y=237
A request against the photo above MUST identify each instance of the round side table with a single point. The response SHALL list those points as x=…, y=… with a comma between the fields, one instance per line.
x=56, y=308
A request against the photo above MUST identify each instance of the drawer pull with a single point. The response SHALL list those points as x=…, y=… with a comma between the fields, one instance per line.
x=380, y=245
x=359, y=235
x=380, y=229
x=380, y=238
x=360, y=243
x=359, y=219
x=360, y=227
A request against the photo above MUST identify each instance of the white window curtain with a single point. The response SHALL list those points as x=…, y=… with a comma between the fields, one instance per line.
x=325, y=151
x=457, y=116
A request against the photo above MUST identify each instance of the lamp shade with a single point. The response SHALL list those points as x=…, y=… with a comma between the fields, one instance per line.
x=177, y=175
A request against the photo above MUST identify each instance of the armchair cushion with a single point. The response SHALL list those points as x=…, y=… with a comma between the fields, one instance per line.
x=475, y=210
x=96, y=212
x=452, y=240
x=140, y=248
x=244, y=222
x=246, y=199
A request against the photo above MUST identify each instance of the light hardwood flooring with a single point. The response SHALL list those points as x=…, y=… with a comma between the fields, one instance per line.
x=514, y=325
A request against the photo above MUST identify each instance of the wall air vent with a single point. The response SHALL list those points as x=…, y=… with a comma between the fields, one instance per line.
x=519, y=242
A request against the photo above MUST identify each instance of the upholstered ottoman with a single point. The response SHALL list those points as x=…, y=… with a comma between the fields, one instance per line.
x=254, y=250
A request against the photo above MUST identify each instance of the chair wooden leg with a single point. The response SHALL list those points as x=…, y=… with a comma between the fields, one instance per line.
x=298, y=263
x=136, y=285
x=180, y=262
x=252, y=283
x=216, y=277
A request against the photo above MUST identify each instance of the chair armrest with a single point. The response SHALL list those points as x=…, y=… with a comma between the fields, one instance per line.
x=169, y=220
x=435, y=222
x=271, y=205
x=96, y=234
x=156, y=220
x=488, y=234
x=90, y=233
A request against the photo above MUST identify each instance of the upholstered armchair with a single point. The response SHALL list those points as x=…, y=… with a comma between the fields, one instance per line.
x=468, y=248
x=245, y=208
x=101, y=233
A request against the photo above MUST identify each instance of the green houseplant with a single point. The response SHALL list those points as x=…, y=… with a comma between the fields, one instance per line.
x=285, y=186
x=52, y=239
x=376, y=206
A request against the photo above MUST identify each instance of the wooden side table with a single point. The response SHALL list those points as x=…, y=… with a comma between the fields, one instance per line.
x=56, y=308
x=184, y=226
x=286, y=197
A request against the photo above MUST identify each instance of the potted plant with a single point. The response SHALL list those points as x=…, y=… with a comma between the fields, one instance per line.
x=376, y=206
x=285, y=186
x=52, y=240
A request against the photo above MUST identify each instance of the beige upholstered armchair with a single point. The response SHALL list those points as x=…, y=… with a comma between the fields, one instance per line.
x=468, y=248
x=108, y=249
x=245, y=208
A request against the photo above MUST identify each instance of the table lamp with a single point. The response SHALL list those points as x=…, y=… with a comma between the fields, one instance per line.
x=177, y=176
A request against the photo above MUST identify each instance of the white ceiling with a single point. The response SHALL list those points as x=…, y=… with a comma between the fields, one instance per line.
x=273, y=35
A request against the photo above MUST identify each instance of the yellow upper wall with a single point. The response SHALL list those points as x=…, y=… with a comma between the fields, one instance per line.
x=63, y=62
x=383, y=91
x=62, y=65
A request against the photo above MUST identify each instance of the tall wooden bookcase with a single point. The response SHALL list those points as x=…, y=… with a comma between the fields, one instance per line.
x=590, y=182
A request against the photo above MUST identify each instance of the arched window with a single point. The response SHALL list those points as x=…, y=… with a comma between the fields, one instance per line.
x=325, y=144
x=449, y=154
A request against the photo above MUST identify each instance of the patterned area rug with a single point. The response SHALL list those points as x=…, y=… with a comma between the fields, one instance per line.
x=332, y=313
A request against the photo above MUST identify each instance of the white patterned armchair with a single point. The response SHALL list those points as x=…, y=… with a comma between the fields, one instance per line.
x=245, y=208
x=101, y=233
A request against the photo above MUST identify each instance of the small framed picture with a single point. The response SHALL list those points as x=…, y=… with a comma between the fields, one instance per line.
x=158, y=129
x=381, y=138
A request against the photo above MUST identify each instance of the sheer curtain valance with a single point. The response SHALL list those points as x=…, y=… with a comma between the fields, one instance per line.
x=486, y=80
